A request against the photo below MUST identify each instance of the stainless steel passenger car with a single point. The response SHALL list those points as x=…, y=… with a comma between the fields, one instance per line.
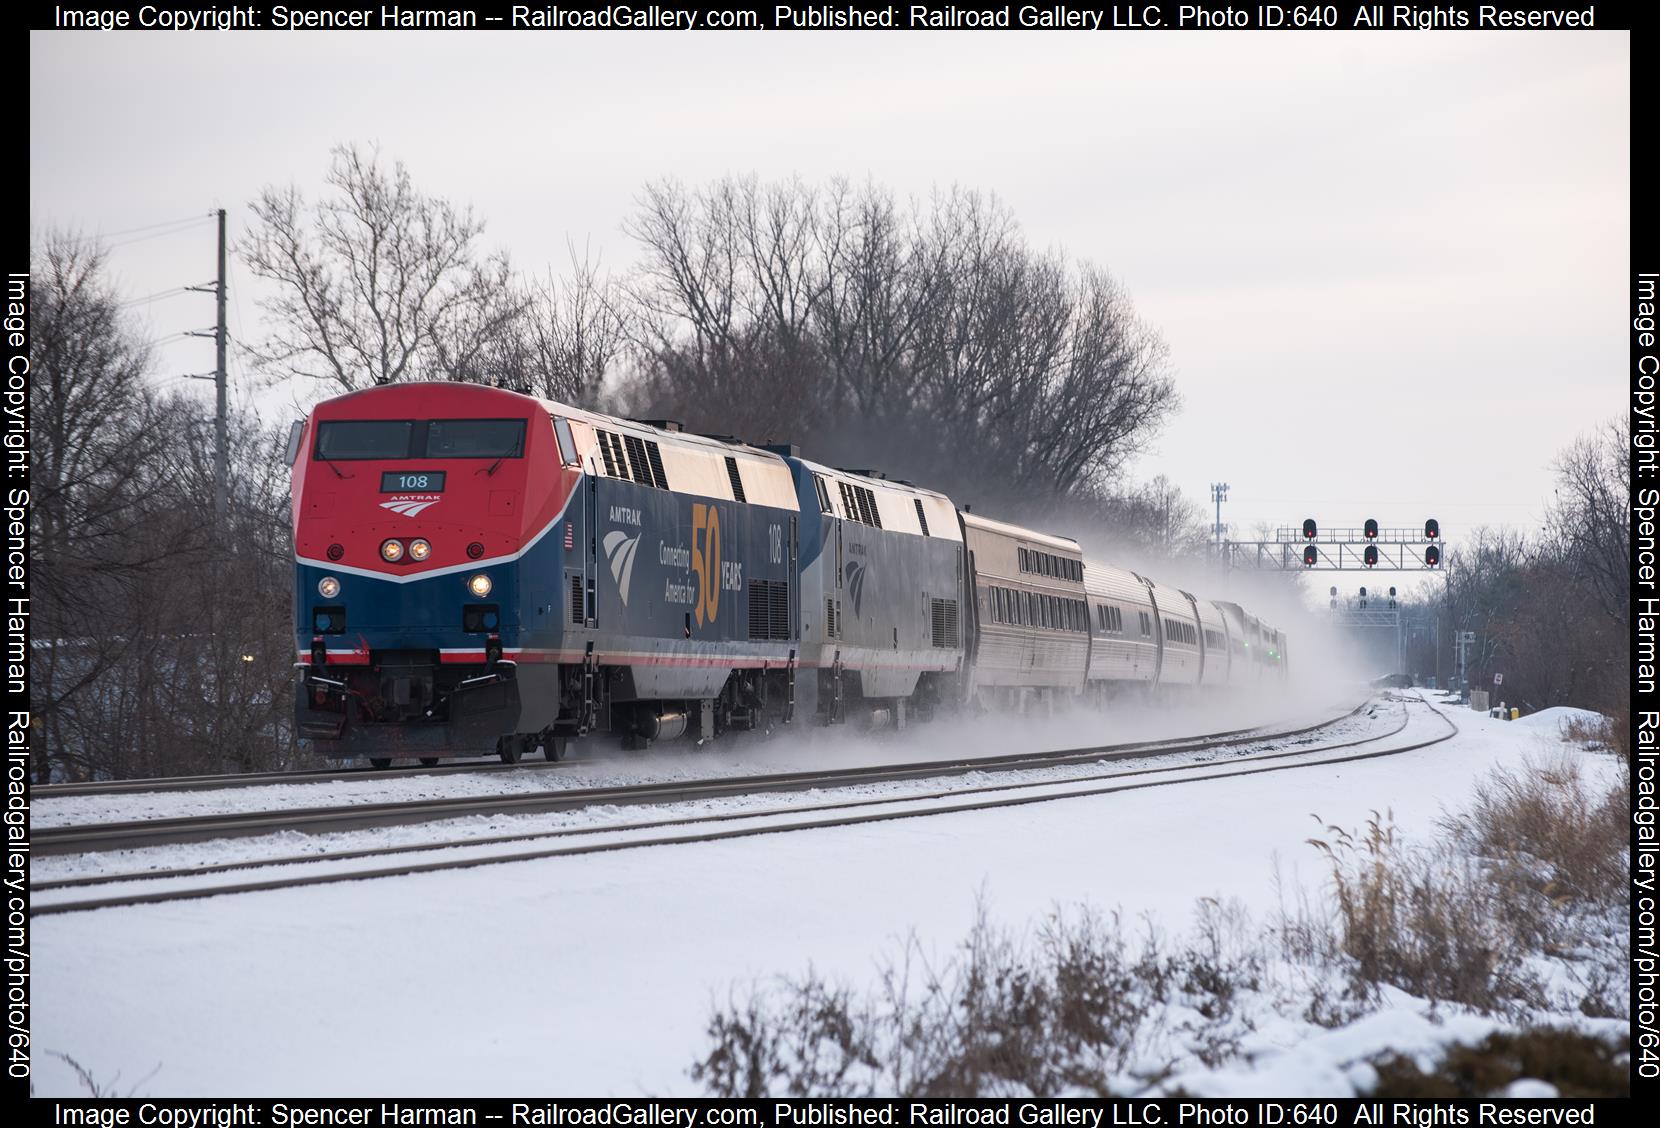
x=1031, y=612
x=1124, y=643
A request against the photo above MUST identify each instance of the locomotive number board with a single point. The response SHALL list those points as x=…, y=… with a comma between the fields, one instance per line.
x=402, y=481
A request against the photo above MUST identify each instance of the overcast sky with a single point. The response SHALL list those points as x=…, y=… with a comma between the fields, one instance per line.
x=1391, y=268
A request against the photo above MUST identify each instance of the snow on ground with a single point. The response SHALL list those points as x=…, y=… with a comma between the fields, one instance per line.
x=1380, y=718
x=483, y=836
x=1556, y=719
x=596, y=975
x=736, y=754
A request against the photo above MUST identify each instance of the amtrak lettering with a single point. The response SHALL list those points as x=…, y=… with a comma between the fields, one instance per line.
x=410, y=505
x=623, y=515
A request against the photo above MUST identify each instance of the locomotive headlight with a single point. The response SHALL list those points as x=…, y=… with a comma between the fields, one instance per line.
x=328, y=587
x=419, y=549
x=479, y=585
x=391, y=550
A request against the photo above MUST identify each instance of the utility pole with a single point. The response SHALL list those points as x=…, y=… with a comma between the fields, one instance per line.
x=221, y=450
x=1218, y=494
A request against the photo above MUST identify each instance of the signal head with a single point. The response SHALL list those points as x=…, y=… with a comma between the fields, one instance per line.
x=1311, y=556
x=1432, y=556
x=1310, y=529
x=1432, y=529
x=1371, y=529
x=1370, y=556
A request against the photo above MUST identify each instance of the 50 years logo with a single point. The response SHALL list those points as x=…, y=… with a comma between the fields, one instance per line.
x=706, y=561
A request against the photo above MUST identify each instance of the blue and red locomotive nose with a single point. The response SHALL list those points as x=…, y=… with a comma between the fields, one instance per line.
x=454, y=612
x=415, y=508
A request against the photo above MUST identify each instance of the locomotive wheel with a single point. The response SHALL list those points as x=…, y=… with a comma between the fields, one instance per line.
x=429, y=761
x=553, y=748
x=510, y=748
x=381, y=762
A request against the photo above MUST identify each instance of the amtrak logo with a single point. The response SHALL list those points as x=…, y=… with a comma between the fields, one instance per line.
x=619, y=549
x=855, y=573
x=409, y=506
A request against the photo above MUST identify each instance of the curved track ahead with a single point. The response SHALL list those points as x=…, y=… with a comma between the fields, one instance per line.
x=855, y=812
x=96, y=837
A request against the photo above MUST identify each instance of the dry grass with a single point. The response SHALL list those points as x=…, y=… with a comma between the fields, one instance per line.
x=1059, y=1012
x=1577, y=1064
x=1426, y=921
x=1548, y=840
x=1510, y=911
x=1534, y=866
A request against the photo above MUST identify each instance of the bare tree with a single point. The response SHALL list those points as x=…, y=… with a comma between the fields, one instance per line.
x=933, y=339
x=96, y=440
x=377, y=282
x=1590, y=521
x=574, y=331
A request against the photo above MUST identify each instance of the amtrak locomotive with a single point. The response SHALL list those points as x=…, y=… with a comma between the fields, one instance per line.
x=478, y=570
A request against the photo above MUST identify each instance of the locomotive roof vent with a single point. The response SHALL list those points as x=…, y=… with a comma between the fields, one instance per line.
x=788, y=450
x=662, y=424
x=863, y=473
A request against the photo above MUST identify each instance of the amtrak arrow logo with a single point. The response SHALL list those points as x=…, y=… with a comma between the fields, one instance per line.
x=407, y=506
x=619, y=549
x=855, y=573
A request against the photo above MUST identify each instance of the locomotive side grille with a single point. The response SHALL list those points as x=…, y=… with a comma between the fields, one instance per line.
x=656, y=457
x=867, y=499
x=831, y=627
x=639, y=459
x=577, y=616
x=944, y=616
x=605, y=452
x=769, y=610
x=778, y=610
x=922, y=518
x=732, y=475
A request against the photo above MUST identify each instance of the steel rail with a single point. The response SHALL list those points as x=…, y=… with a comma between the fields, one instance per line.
x=98, y=837
x=1137, y=782
x=225, y=781
x=656, y=824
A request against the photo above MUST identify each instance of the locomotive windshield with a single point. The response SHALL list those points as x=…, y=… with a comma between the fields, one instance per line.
x=475, y=438
x=364, y=438
x=342, y=439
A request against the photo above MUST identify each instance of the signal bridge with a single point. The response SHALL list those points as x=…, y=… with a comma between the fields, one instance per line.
x=1364, y=549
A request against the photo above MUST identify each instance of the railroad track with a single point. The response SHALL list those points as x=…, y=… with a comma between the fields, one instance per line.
x=724, y=825
x=99, y=837
x=222, y=782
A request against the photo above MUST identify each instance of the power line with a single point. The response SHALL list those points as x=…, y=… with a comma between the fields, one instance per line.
x=104, y=236
x=156, y=297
